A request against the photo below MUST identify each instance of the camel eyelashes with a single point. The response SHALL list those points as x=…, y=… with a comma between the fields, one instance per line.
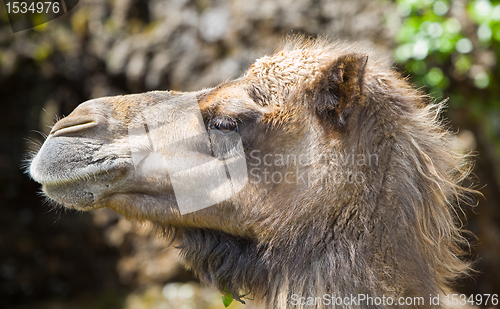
x=225, y=126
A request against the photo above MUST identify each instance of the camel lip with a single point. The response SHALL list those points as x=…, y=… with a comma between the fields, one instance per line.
x=67, y=180
x=82, y=191
x=88, y=175
x=88, y=207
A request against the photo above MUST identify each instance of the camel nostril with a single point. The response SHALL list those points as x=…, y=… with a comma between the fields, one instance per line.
x=72, y=125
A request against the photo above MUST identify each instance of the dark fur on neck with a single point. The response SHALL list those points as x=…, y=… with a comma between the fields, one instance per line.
x=226, y=261
x=393, y=235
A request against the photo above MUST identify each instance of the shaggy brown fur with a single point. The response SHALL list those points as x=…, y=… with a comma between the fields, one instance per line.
x=377, y=212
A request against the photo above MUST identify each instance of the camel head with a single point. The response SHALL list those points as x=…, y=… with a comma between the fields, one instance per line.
x=319, y=164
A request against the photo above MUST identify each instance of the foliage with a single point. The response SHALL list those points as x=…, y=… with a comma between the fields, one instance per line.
x=435, y=34
x=451, y=48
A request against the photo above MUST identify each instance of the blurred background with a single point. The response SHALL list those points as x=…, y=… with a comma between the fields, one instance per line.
x=55, y=258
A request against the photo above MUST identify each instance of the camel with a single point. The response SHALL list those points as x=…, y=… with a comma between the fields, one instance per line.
x=321, y=178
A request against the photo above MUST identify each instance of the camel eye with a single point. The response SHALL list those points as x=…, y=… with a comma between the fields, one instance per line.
x=225, y=126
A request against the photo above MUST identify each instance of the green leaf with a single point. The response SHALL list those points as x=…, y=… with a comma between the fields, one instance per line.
x=227, y=298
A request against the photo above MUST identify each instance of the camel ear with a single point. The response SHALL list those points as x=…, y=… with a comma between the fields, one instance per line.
x=340, y=89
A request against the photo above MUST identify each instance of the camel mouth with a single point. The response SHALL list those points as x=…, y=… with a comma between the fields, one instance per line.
x=84, y=176
x=71, y=195
x=83, y=191
x=76, y=171
x=56, y=164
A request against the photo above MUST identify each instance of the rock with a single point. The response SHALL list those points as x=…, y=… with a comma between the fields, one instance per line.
x=214, y=24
